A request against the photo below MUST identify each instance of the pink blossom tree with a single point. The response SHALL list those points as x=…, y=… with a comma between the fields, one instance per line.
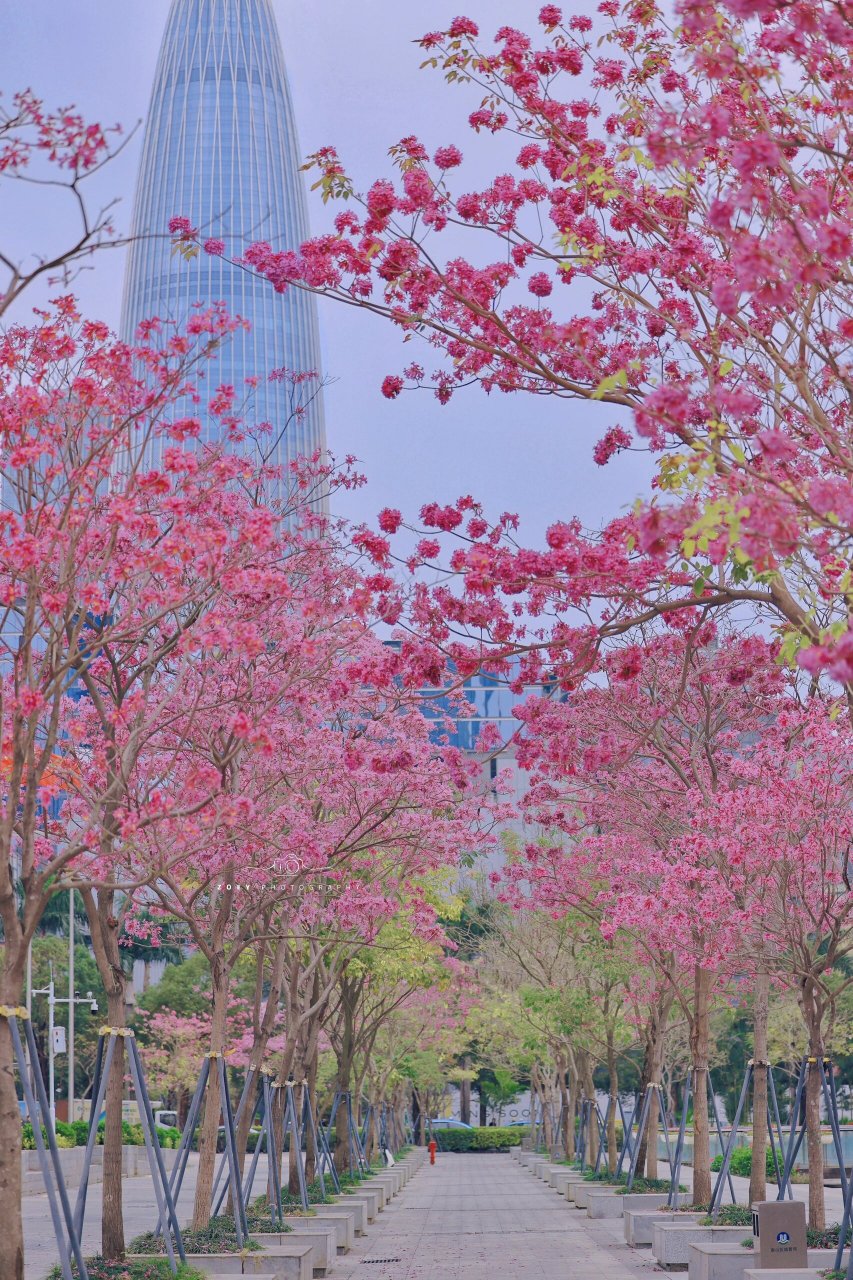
x=669, y=237
x=622, y=769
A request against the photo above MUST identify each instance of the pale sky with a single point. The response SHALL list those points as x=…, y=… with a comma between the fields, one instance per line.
x=354, y=76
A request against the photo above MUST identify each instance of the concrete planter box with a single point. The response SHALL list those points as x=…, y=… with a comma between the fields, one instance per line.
x=561, y=1177
x=320, y=1240
x=605, y=1204
x=368, y=1198
x=393, y=1182
x=671, y=1242
x=639, y=1223
x=637, y=1201
x=389, y=1179
x=355, y=1213
x=582, y=1191
x=287, y=1263
x=726, y=1262
x=793, y=1273
x=341, y=1224
x=379, y=1189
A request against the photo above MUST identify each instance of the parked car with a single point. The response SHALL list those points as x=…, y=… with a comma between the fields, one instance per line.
x=448, y=1124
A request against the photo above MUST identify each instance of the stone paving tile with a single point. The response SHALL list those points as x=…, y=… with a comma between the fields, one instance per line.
x=483, y=1217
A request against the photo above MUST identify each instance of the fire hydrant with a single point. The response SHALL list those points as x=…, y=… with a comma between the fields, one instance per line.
x=433, y=1147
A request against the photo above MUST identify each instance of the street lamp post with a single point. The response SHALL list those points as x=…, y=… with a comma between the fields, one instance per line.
x=71, y=1002
x=53, y=1000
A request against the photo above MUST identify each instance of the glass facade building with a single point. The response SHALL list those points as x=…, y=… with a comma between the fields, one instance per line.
x=220, y=148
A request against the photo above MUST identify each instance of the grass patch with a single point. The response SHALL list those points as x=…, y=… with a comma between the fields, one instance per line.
x=129, y=1270
x=219, y=1236
x=731, y=1215
x=640, y=1185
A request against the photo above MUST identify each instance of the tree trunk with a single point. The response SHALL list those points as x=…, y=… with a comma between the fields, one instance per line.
x=465, y=1095
x=295, y=1144
x=593, y=1131
x=11, y=1237
x=342, y=1142
x=104, y=928
x=310, y=1150
x=213, y=1104
x=112, y=1217
x=652, y=1072
x=613, y=1102
x=700, y=1046
x=565, y=1106
x=758, y=1173
x=811, y=1007
x=817, y=1209
x=547, y=1118
x=571, y=1133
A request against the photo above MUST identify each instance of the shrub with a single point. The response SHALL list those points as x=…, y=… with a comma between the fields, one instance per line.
x=488, y=1138
x=81, y=1132
x=740, y=1164
x=219, y=1236
x=643, y=1186
x=731, y=1215
x=63, y=1139
x=130, y=1270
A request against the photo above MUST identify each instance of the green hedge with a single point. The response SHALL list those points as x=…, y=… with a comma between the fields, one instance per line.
x=741, y=1163
x=489, y=1138
x=77, y=1134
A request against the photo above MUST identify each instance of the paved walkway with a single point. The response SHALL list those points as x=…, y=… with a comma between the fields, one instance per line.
x=484, y=1217
x=471, y=1217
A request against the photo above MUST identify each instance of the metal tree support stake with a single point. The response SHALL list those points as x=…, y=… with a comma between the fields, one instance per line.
x=717, y=1193
x=675, y=1170
x=650, y=1090
x=776, y=1123
x=360, y=1158
x=291, y=1126
x=713, y=1104
x=583, y=1125
x=162, y=1192
x=603, y=1132
x=107, y=1041
x=184, y=1146
x=728, y=1152
x=798, y=1126
x=627, y=1134
x=248, y=1086
x=322, y=1156
x=38, y=1109
x=240, y=1224
x=176, y=1181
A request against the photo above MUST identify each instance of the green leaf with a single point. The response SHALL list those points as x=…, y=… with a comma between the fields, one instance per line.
x=611, y=383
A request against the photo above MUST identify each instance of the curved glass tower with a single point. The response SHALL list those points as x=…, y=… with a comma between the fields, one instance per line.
x=220, y=147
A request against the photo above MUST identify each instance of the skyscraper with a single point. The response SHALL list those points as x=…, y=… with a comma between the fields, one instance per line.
x=220, y=147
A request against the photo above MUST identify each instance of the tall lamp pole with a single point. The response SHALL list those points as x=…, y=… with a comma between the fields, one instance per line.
x=71, y=1006
x=52, y=1001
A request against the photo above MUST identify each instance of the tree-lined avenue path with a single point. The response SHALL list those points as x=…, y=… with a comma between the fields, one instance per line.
x=470, y=1217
